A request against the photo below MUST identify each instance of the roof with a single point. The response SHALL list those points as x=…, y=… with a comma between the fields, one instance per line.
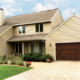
x=36, y=17
x=27, y=37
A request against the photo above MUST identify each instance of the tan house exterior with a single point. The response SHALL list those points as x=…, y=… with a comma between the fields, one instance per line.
x=65, y=40
x=41, y=32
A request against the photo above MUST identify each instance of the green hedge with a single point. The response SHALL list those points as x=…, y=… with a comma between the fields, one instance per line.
x=36, y=57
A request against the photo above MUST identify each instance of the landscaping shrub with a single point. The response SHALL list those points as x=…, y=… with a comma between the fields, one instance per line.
x=21, y=63
x=1, y=61
x=36, y=57
x=13, y=62
x=1, y=57
x=32, y=57
x=5, y=61
x=43, y=58
x=15, y=59
x=49, y=56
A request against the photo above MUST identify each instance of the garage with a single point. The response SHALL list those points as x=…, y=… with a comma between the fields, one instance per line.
x=68, y=51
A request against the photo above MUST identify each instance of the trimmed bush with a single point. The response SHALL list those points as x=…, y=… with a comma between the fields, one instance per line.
x=43, y=58
x=49, y=57
x=15, y=59
x=37, y=57
x=32, y=57
x=1, y=61
x=13, y=62
x=21, y=63
x=1, y=57
x=5, y=61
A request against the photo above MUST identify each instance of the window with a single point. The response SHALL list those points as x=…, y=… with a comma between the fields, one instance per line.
x=41, y=47
x=32, y=47
x=21, y=29
x=39, y=27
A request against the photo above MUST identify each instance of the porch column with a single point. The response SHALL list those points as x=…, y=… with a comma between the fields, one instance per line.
x=22, y=48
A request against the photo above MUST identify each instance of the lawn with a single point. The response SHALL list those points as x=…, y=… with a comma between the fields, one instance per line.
x=8, y=71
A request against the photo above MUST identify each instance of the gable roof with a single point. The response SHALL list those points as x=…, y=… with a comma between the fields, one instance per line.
x=53, y=31
x=36, y=17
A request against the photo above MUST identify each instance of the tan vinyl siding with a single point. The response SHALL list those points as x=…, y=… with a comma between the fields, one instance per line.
x=30, y=29
x=56, y=20
x=6, y=48
x=69, y=32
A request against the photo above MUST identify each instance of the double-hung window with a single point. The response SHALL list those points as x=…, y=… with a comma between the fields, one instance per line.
x=39, y=27
x=21, y=29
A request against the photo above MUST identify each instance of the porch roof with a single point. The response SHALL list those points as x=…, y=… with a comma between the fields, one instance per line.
x=27, y=37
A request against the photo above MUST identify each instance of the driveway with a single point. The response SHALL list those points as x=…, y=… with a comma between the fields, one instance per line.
x=60, y=70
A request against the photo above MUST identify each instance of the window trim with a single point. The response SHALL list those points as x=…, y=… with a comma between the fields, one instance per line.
x=22, y=31
x=39, y=27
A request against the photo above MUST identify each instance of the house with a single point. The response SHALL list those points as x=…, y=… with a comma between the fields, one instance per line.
x=27, y=33
x=42, y=32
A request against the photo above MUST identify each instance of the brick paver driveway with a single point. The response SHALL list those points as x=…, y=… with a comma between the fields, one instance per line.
x=60, y=70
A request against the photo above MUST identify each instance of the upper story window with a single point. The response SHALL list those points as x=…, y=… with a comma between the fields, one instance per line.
x=21, y=29
x=39, y=27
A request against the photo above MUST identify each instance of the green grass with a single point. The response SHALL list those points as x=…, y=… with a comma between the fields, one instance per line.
x=8, y=71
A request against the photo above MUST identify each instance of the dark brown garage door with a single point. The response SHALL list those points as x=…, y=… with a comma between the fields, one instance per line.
x=68, y=51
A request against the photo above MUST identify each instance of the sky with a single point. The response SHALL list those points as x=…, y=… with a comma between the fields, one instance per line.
x=17, y=7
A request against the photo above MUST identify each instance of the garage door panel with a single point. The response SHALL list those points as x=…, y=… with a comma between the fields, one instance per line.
x=68, y=51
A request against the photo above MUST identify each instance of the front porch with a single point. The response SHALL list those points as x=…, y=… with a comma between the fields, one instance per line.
x=21, y=48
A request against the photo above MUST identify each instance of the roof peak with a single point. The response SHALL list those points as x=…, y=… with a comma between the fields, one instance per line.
x=45, y=10
x=34, y=12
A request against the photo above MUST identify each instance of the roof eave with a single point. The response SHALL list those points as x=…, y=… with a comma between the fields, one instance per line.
x=26, y=40
x=46, y=21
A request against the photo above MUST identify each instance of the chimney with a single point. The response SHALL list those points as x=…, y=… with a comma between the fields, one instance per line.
x=1, y=16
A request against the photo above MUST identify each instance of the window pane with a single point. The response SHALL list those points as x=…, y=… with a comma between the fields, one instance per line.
x=41, y=47
x=37, y=27
x=32, y=47
x=41, y=27
x=23, y=29
x=20, y=29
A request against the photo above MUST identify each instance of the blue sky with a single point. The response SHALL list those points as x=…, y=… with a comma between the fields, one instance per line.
x=17, y=7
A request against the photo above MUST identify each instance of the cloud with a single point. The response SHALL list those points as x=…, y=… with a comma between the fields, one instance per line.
x=68, y=12
x=10, y=10
x=40, y=7
x=56, y=2
x=29, y=0
x=7, y=1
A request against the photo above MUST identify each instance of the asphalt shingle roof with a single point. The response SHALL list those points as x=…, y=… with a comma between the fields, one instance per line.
x=27, y=37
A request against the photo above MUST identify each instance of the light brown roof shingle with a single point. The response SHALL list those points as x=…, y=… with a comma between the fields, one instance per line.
x=27, y=37
x=43, y=16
